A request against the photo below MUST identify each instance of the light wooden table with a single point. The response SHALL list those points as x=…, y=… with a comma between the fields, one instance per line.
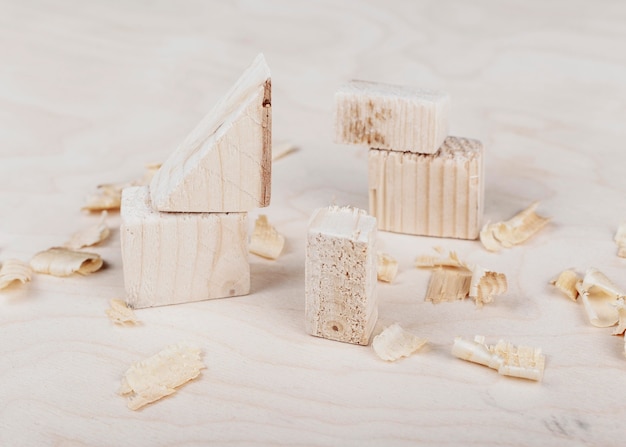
x=91, y=91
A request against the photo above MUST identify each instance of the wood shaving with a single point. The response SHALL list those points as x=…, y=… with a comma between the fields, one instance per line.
x=61, y=261
x=620, y=240
x=282, y=150
x=567, y=282
x=158, y=376
x=599, y=310
x=448, y=285
x=108, y=197
x=474, y=351
x=600, y=298
x=520, y=227
x=523, y=362
x=120, y=313
x=621, y=312
x=487, y=237
x=486, y=284
x=265, y=240
x=90, y=236
x=387, y=267
x=595, y=280
x=394, y=343
x=514, y=231
x=14, y=270
x=454, y=280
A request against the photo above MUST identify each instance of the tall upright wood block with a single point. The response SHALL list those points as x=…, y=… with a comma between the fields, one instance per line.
x=430, y=195
x=340, y=275
x=224, y=164
x=391, y=117
x=172, y=258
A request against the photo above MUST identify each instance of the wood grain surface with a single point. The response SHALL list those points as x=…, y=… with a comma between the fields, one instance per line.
x=439, y=194
x=92, y=91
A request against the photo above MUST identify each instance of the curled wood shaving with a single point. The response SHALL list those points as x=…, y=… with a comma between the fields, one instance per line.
x=474, y=351
x=567, y=282
x=108, y=197
x=514, y=231
x=448, y=285
x=120, y=313
x=621, y=312
x=387, y=267
x=454, y=280
x=620, y=239
x=486, y=284
x=14, y=270
x=595, y=280
x=600, y=298
x=598, y=310
x=90, y=236
x=60, y=261
x=488, y=239
x=394, y=343
x=520, y=227
x=265, y=240
x=522, y=362
x=158, y=376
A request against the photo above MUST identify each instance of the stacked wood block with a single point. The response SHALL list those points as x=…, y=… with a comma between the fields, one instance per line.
x=340, y=275
x=184, y=237
x=391, y=117
x=421, y=181
x=429, y=194
x=174, y=258
x=225, y=163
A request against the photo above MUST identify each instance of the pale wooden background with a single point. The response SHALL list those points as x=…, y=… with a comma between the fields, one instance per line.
x=91, y=91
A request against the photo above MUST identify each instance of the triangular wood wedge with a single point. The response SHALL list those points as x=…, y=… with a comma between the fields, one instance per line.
x=224, y=164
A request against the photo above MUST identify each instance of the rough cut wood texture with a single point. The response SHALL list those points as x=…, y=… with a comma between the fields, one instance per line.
x=225, y=163
x=391, y=117
x=341, y=270
x=430, y=195
x=172, y=258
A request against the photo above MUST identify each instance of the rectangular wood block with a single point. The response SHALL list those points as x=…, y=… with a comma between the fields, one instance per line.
x=429, y=195
x=172, y=258
x=340, y=275
x=391, y=117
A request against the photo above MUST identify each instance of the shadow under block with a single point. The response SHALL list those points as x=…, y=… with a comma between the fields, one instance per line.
x=429, y=195
x=391, y=117
x=340, y=275
x=225, y=163
x=172, y=258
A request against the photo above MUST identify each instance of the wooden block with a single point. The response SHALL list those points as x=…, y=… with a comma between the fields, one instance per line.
x=430, y=195
x=391, y=117
x=172, y=258
x=225, y=163
x=341, y=264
